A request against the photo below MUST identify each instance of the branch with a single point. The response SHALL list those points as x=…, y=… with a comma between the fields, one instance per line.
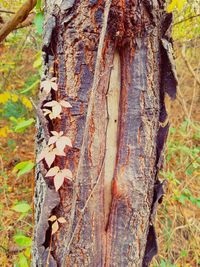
x=17, y=18
x=27, y=22
x=6, y=11
x=186, y=19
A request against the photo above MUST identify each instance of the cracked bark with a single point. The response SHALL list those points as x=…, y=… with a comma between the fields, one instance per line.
x=110, y=207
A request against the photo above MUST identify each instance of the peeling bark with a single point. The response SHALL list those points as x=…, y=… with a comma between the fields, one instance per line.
x=114, y=64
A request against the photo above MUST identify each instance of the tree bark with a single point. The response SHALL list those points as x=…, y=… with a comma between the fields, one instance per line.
x=113, y=62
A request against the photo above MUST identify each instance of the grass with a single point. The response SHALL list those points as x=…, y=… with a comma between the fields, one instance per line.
x=15, y=191
x=177, y=223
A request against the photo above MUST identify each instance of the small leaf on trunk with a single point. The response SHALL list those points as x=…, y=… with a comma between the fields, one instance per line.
x=53, y=171
x=58, y=181
x=55, y=227
x=62, y=220
x=65, y=104
x=53, y=218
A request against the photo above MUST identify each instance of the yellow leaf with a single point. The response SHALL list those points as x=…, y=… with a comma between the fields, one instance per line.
x=4, y=97
x=172, y=5
x=26, y=102
x=15, y=98
x=4, y=131
x=179, y=4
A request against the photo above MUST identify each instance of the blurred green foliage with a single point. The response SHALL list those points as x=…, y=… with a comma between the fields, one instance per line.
x=186, y=19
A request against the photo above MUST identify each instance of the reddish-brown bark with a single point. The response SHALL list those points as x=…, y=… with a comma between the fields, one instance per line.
x=109, y=217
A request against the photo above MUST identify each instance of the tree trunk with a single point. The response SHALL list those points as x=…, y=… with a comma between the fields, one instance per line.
x=113, y=64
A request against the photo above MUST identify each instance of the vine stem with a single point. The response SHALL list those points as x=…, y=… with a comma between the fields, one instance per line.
x=70, y=235
x=41, y=119
x=49, y=252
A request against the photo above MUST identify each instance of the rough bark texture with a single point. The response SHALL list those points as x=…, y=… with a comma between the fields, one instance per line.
x=111, y=203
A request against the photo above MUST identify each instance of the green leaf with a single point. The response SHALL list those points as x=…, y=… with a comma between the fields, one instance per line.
x=37, y=63
x=31, y=87
x=172, y=130
x=11, y=144
x=23, y=260
x=21, y=126
x=163, y=264
x=182, y=199
x=14, y=109
x=38, y=5
x=21, y=165
x=189, y=171
x=198, y=203
x=24, y=167
x=184, y=253
x=39, y=17
x=22, y=240
x=22, y=207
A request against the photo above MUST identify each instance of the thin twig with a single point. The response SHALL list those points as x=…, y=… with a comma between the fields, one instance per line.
x=186, y=19
x=4, y=190
x=42, y=119
x=70, y=235
x=18, y=52
x=190, y=68
x=1, y=160
x=193, y=95
x=5, y=249
x=27, y=22
x=6, y=11
x=181, y=100
x=49, y=252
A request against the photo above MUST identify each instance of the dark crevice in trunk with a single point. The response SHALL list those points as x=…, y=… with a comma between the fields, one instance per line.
x=46, y=243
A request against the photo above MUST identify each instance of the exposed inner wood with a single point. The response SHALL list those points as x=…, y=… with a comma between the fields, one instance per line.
x=113, y=101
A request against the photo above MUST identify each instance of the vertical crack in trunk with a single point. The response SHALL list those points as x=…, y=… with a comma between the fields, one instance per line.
x=114, y=162
x=113, y=102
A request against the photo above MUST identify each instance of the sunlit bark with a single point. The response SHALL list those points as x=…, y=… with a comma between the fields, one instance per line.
x=117, y=126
